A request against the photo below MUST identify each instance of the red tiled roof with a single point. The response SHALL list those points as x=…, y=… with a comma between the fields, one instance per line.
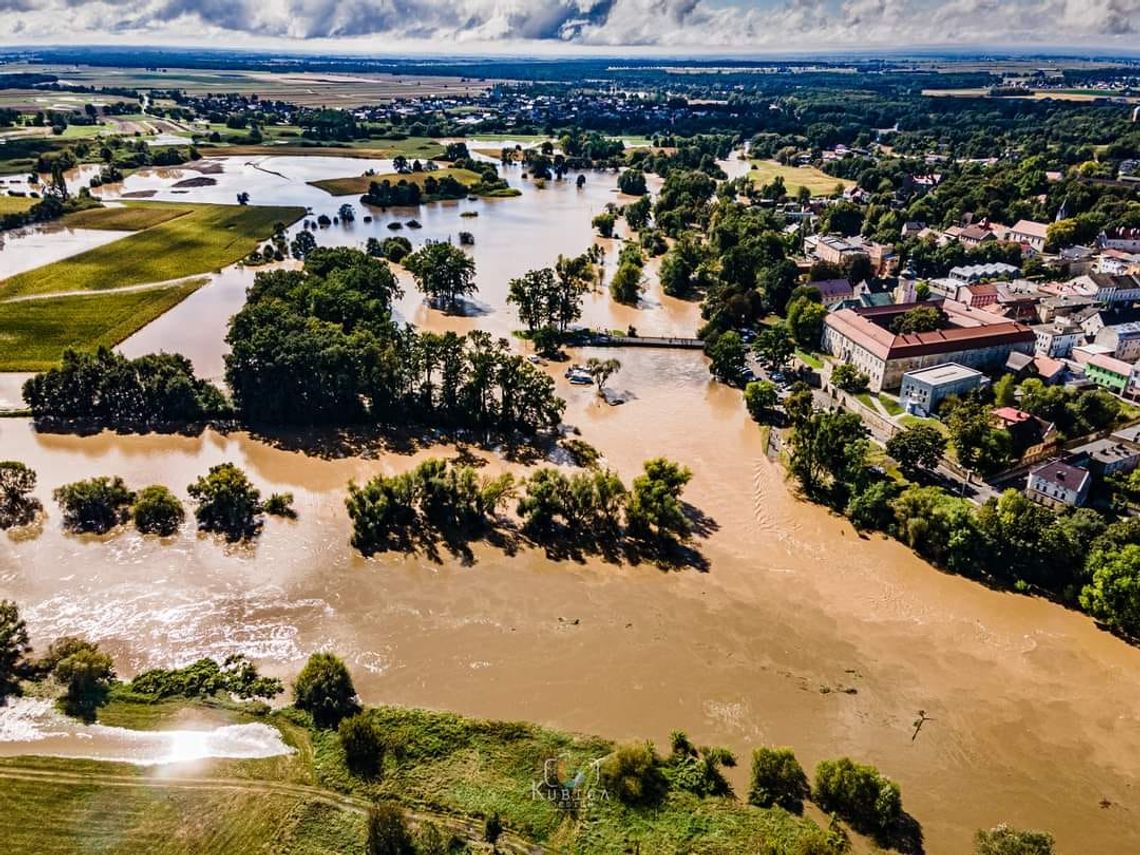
x=856, y=325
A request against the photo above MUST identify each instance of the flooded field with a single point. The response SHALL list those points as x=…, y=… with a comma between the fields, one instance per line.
x=32, y=726
x=35, y=246
x=801, y=633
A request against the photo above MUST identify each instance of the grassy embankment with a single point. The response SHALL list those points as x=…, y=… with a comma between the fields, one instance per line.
x=170, y=242
x=358, y=184
x=441, y=767
x=795, y=177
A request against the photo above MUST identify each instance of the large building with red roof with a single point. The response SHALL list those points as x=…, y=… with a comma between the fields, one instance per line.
x=971, y=337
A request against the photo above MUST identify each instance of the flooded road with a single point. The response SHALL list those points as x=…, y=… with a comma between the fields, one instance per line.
x=801, y=633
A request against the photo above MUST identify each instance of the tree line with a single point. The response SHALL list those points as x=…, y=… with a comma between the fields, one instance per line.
x=225, y=502
x=591, y=511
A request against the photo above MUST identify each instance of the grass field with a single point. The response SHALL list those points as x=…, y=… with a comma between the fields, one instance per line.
x=358, y=184
x=819, y=183
x=34, y=333
x=132, y=217
x=15, y=204
x=208, y=238
x=412, y=147
x=448, y=770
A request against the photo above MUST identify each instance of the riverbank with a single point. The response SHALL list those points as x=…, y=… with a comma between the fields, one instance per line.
x=442, y=769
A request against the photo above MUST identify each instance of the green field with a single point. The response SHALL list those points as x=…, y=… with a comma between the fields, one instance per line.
x=442, y=768
x=208, y=238
x=132, y=217
x=795, y=177
x=34, y=333
x=15, y=204
x=359, y=184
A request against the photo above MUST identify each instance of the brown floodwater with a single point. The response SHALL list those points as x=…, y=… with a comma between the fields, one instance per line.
x=800, y=632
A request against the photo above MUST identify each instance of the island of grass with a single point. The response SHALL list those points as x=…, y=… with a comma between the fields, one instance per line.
x=816, y=181
x=415, y=188
x=441, y=770
x=172, y=241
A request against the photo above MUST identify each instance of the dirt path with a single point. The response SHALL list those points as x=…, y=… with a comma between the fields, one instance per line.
x=470, y=829
x=126, y=289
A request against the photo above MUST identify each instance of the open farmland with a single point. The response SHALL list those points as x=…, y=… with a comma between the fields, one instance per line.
x=304, y=88
x=207, y=238
x=34, y=333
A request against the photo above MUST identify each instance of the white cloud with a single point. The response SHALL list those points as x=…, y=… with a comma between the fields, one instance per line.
x=709, y=24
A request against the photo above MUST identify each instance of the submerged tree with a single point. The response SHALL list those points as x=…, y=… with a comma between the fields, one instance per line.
x=601, y=370
x=227, y=502
x=157, y=511
x=94, y=506
x=13, y=649
x=443, y=272
x=17, y=504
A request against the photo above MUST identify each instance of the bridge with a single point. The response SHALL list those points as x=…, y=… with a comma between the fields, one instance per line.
x=676, y=343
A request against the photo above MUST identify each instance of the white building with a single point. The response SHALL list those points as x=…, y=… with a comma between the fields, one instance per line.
x=1058, y=485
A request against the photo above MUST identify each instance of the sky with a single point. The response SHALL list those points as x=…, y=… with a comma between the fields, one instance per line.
x=561, y=26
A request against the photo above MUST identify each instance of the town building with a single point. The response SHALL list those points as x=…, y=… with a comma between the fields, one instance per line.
x=833, y=291
x=923, y=391
x=1028, y=233
x=1104, y=457
x=973, y=338
x=1110, y=373
x=977, y=272
x=1057, y=339
x=1124, y=339
x=1127, y=240
x=1059, y=485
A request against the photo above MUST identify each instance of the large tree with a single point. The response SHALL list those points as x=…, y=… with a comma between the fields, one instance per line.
x=444, y=272
x=17, y=504
x=324, y=689
x=917, y=448
x=1113, y=594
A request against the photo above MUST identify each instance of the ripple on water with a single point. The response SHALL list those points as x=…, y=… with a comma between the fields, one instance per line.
x=176, y=628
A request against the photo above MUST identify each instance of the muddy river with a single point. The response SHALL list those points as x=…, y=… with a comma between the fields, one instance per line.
x=800, y=633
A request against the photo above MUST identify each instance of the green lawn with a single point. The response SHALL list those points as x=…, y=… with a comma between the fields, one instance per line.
x=811, y=360
x=208, y=238
x=34, y=333
x=50, y=818
x=819, y=183
x=358, y=185
x=16, y=204
x=891, y=405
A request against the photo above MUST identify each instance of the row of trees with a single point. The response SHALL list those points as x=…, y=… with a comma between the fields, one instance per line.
x=226, y=502
x=105, y=389
x=548, y=300
x=592, y=509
